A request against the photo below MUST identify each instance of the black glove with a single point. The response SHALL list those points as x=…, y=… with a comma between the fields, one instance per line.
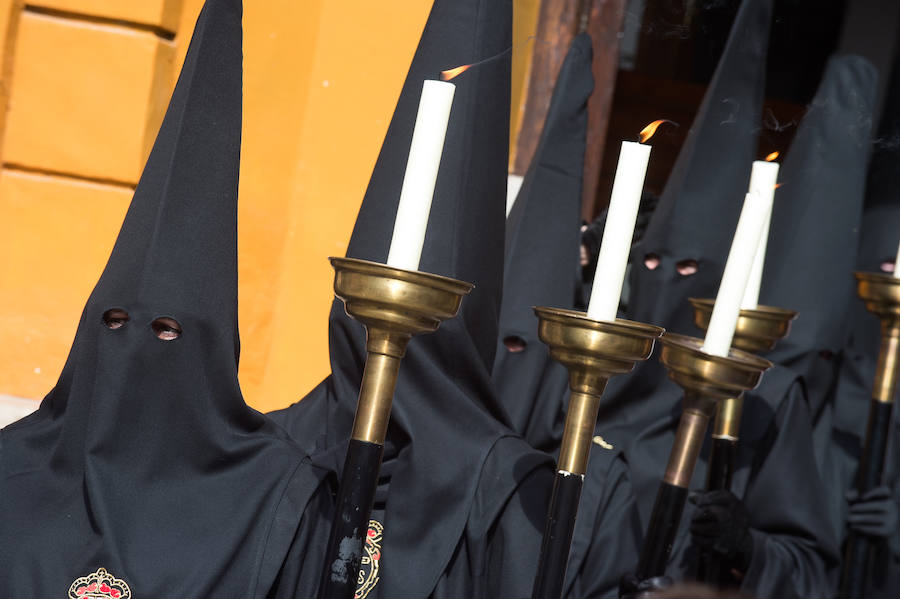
x=630, y=587
x=873, y=515
x=721, y=525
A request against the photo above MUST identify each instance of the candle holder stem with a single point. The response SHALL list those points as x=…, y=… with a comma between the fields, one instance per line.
x=673, y=490
x=394, y=305
x=725, y=434
x=706, y=379
x=592, y=351
x=881, y=294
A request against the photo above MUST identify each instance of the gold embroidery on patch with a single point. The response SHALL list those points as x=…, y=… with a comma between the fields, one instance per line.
x=99, y=585
x=371, y=561
x=602, y=442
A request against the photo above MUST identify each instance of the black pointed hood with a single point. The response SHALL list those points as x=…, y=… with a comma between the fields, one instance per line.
x=542, y=257
x=146, y=445
x=700, y=205
x=811, y=252
x=445, y=418
x=878, y=239
x=699, y=208
x=881, y=219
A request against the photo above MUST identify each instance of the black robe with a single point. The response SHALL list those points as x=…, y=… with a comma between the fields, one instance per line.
x=143, y=470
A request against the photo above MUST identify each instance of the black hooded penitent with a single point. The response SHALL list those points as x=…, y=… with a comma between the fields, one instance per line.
x=697, y=213
x=453, y=475
x=542, y=270
x=144, y=459
x=879, y=234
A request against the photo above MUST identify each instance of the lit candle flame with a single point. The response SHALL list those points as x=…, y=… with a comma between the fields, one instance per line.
x=451, y=73
x=777, y=185
x=648, y=131
x=772, y=157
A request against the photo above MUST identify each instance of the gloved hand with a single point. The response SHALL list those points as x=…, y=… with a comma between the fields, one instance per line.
x=875, y=514
x=721, y=525
x=631, y=587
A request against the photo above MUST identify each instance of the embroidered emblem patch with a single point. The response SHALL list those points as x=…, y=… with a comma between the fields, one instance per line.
x=99, y=585
x=371, y=561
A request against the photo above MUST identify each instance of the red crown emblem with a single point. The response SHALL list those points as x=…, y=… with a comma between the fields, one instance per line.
x=99, y=585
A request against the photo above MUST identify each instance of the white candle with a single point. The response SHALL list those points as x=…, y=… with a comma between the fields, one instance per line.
x=421, y=175
x=763, y=180
x=734, y=280
x=897, y=264
x=619, y=230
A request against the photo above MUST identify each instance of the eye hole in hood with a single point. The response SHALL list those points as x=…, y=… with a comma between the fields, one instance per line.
x=166, y=328
x=687, y=267
x=115, y=318
x=515, y=344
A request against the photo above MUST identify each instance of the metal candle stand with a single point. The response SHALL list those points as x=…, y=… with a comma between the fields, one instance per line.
x=705, y=379
x=881, y=293
x=592, y=351
x=757, y=330
x=394, y=305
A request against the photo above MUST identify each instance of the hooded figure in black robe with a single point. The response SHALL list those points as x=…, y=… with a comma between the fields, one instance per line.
x=461, y=499
x=143, y=473
x=811, y=254
x=542, y=270
x=875, y=514
x=776, y=549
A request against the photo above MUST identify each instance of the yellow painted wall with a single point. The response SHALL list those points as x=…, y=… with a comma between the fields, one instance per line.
x=86, y=98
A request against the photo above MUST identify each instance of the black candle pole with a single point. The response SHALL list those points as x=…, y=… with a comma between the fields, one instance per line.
x=881, y=294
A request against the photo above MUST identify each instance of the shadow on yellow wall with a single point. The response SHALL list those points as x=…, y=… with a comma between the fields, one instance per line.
x=89, y=81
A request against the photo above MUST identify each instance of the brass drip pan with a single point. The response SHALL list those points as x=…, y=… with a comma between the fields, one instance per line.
x=713, y=377
x=757, y=330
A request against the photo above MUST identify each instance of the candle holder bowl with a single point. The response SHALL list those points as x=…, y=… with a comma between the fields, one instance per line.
x=757, y=329
x=395, y=300
x=880, y=292
x=713, y=377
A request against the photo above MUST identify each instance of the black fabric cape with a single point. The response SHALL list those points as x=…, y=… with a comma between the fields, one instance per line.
x=144, y=459
x=542, y=270
x=462, y=498
x=879, y=234
x=640, y=411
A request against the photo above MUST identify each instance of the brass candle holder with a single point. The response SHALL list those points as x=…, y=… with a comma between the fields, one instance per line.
x=592, y=351
x=705, y=379
x=394, y=305
x=757, y=330
x=881, y=294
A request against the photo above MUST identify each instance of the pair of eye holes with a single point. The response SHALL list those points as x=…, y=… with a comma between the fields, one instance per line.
x=684, y=267
x=165, y=328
